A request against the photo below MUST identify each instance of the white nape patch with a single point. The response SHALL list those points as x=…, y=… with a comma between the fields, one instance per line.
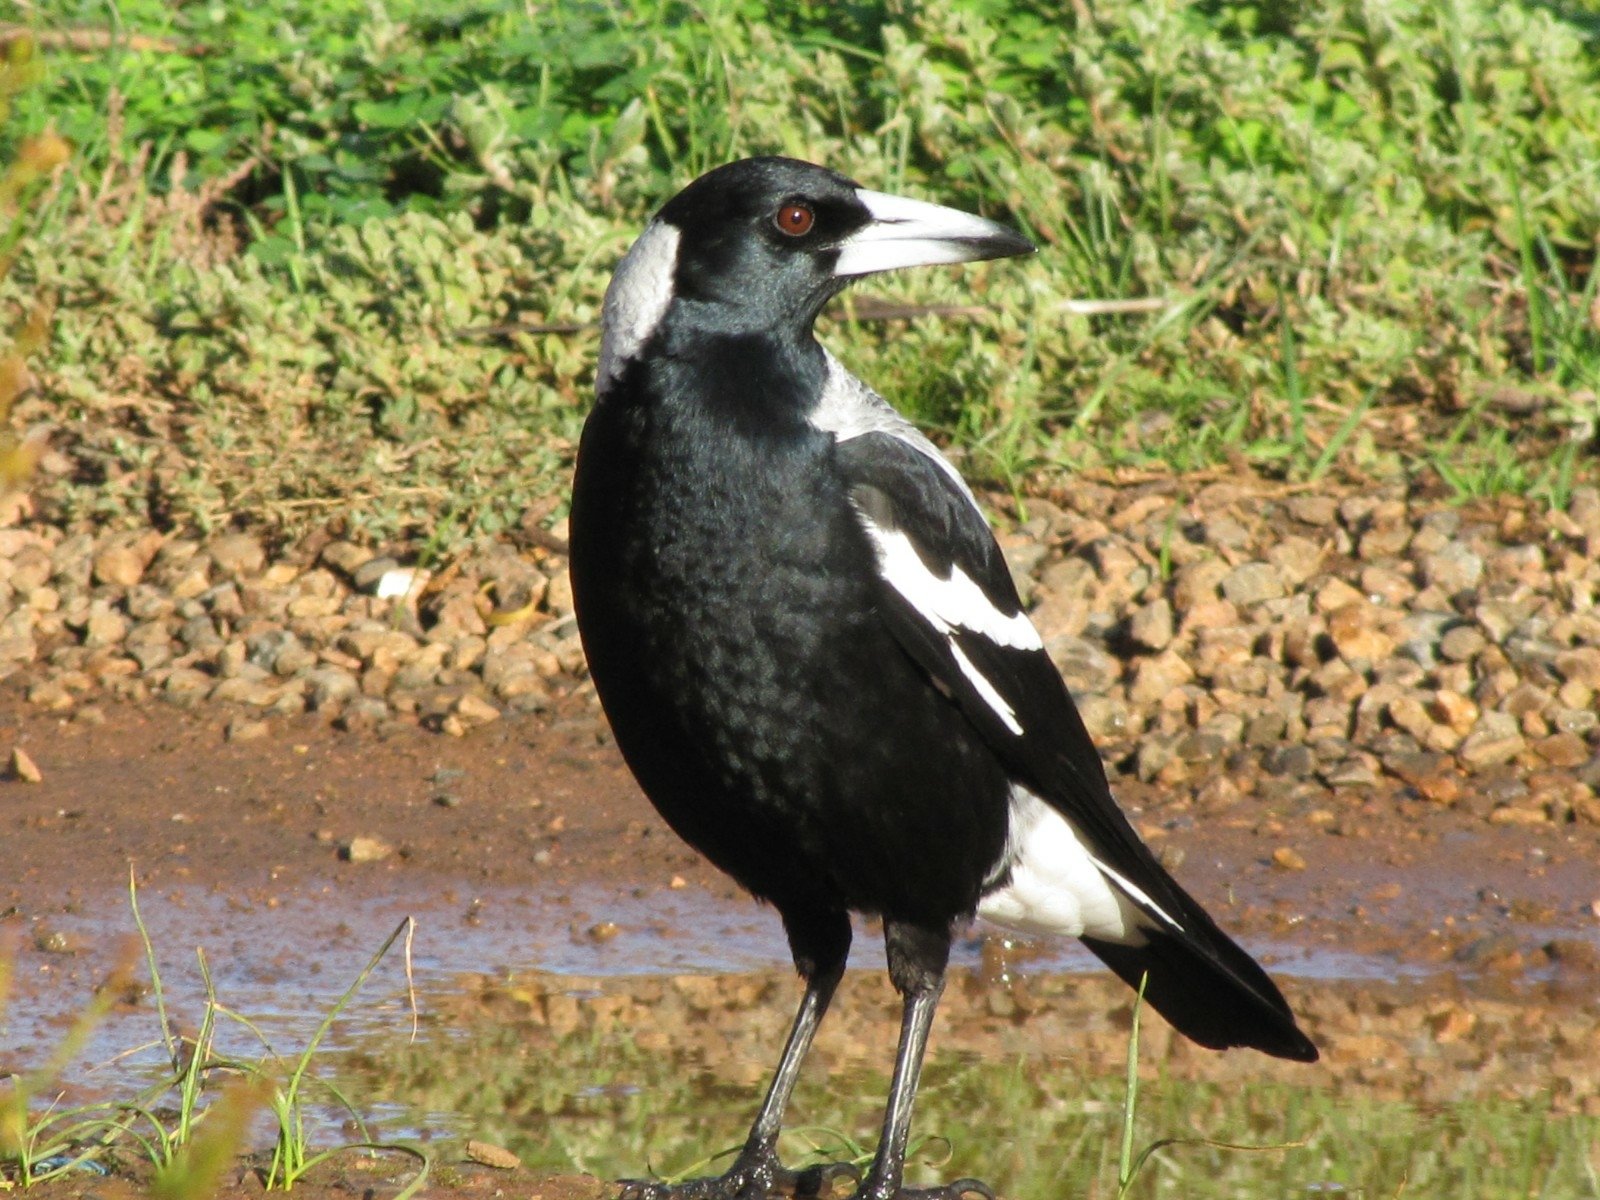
x=1057, y=887
x=849, y=408
x=638, y=297
x=913, y=233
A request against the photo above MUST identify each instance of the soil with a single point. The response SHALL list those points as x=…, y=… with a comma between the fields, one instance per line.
x=524, y=844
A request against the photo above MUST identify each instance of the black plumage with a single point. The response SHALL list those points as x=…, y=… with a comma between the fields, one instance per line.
x=812, y=654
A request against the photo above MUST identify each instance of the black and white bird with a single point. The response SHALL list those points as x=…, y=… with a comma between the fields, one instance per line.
x=812, y=655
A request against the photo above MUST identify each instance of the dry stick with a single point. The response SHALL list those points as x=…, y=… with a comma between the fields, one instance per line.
x=865, y=312
x=91, y=39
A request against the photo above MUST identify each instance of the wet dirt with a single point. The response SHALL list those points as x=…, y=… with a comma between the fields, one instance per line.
x=524, y=846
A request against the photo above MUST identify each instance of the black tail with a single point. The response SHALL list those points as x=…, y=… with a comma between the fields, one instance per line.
x=1217, y=996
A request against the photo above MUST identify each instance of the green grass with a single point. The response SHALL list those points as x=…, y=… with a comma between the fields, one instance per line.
x=1359, y=225
x=193, y=1123
x=1033, y=1126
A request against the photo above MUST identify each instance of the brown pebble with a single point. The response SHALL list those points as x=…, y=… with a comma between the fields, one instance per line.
x=24, y=768
x=365, y=849
x=489, y=1155
x=1287, y=858
x=242, y=730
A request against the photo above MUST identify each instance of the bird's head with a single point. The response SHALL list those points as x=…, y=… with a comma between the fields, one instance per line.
x=761, y=244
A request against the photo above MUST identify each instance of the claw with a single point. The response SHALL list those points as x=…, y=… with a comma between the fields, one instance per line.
x=816, y=1182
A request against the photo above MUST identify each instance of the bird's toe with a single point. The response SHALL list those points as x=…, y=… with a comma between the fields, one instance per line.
x=815, y=1182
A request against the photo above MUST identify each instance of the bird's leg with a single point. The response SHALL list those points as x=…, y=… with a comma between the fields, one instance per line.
x=917, y=959
x=820, y=951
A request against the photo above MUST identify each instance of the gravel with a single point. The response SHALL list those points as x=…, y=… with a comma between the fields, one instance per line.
x=1333, y=642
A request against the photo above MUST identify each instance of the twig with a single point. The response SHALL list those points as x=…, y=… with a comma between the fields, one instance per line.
x=93, y=39
x=868, y=310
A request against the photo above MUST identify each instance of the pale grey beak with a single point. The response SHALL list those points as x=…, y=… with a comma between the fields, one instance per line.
x=914, y=233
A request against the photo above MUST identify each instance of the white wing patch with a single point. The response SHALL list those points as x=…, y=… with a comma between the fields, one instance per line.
x=638, y=297
x=1056, y=886
x=954, y=602
x=946, y=603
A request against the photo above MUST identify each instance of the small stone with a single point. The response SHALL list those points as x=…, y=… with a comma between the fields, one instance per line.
x=1314, y=509
x=238, y=554
x=1287, y=858
x=362, y=712
x=1494, y=739
x=1349, y=772
x=1455, y=710
x=475, y=710
x=1296, y=559
x=345, y=557
x=558, y=598
x=122, y=564
x=50, y=695
x=490, y=1155
x=1384, y=542
x=24, y=768
x=1156, y=677
x=1511, y=814
x=1291, y=760
x=365, y=850
x=1452, y=569
x=1336, y=594
x=1580, y=666
x=1452, y=1023
x=1252, y=583
x=1198, y=583
x=1562, y=750
x=1353, y=630
x=105, y=626
x=1105, y=717
x=330, y=685
x=1462, y=644
x=1266, y=728
x=242, y=729
x=1151, y=625
x=1084, y=664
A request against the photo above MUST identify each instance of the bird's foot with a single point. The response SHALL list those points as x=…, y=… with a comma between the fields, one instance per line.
x=754, y=1177
x=958, y=1189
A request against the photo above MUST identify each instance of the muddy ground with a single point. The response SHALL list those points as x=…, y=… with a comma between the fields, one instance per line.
x=1430, y=951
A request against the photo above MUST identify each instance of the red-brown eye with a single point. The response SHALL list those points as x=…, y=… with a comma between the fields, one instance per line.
x=795, y=219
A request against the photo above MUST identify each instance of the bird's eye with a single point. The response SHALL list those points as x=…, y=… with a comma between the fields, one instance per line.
x=795, y=219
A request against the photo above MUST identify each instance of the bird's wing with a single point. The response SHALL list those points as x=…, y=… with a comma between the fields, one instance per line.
x=946, y=592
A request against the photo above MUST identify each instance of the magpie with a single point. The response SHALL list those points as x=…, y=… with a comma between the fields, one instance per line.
x=814, y=660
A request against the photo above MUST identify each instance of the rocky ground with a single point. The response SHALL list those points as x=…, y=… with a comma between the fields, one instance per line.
x=1371, y=722
x=1329, y=640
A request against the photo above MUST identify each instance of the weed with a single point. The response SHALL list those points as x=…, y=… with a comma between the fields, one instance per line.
x=192, y=1144
x=586, y=1096
x=1332, y=224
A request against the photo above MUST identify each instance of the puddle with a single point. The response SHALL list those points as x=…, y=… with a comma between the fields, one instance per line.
x=284, y=960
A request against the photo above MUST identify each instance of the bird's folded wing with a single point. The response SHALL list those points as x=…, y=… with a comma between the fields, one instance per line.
x=945, y=591
x=946, y=594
